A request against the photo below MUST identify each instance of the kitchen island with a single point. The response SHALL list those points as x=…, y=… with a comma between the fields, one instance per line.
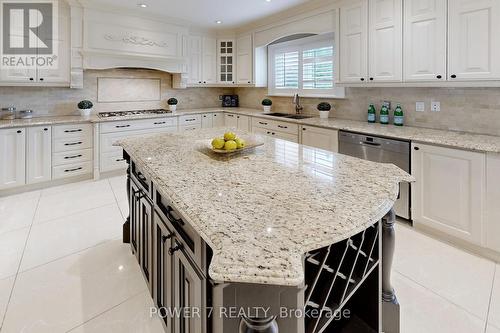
x=282, y=226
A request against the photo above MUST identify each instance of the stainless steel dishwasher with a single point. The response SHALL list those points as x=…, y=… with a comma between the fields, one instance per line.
x=382, y=150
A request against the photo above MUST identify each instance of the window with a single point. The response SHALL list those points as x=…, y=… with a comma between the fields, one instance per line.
x=304, y=66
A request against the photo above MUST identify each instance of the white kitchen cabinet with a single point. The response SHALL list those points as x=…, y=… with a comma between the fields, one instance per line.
x=226, y=61
x=425, y=40
x=39, y=154
x=195, y=60
x=320, y=138
x=231, y=120
x=449, y=189
x=72, y=150
x=218, y=119
x=244, y=60
x=353, y=46
x=492, y=229
x=207, y=120
x=243, y=122
x=473, y=43
x=12, y=157
x=209, y=60
x=385, y=41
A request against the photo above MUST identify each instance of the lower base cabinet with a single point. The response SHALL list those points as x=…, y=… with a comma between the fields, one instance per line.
x=448, y=194
x=322, y=138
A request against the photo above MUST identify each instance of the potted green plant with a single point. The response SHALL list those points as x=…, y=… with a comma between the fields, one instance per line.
x=85, y=107
x=324, y=110
x=172, y=104
x=266, y=103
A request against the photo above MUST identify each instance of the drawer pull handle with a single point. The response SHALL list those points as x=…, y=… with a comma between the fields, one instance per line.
x=230, y=115
x=120, y=160
x=262, y=123
x=268, y=132
x=70, y=157
x=164, y=238
x=174, y=249
x=73, y=143
x=122, y=126
x=73, y=131
x=171, y=218
x=19, y=131
x=160, y=122
x=416, y=148
x=75, y=169
x=190, y=119
x=45, y=129
x=281, y=126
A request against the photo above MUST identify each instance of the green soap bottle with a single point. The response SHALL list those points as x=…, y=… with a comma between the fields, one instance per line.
x=372, y=114
x=398, y=116
x=384, y=115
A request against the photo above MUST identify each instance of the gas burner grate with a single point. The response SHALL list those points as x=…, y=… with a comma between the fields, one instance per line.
x=131, y=113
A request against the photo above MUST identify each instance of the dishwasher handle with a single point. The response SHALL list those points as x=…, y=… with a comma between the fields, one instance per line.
x=371, y=144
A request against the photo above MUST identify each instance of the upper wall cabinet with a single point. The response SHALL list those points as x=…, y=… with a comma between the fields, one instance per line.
x=425, y=40
x=385, y=40
x=474, y=46
x=371, y=41
x=226, y=61
x=195, y=60
x=244, y=60
x=209, y=60
x=354, y=41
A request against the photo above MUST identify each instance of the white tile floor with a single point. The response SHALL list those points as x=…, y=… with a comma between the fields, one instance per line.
x=63, y=268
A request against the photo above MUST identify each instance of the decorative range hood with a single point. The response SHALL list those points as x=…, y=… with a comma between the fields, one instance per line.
x=112, y=40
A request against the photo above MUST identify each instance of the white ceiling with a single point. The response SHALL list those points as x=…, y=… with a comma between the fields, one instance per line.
x=204, y=13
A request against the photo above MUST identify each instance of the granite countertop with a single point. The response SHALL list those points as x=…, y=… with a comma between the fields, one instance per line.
x=454, y=139
x=261, y=211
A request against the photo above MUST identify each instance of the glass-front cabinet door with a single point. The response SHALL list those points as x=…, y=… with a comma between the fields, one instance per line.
x=225, y=61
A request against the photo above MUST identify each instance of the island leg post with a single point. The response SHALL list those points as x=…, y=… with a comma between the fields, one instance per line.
x=390, y=305
x=258, y=325
x=126, y=225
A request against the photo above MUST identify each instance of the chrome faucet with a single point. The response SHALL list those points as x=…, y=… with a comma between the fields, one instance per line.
x=296, y=101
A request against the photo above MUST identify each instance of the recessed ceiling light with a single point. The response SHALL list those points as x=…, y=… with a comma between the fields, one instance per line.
x=142, y=5
x=268, y=0
x=218, y=22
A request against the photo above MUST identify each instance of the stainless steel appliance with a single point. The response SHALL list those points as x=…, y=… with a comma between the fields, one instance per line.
x=230, y=101
x=131, y=113
x=382, y=150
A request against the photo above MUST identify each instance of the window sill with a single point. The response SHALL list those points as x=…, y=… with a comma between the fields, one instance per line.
x=330, y=96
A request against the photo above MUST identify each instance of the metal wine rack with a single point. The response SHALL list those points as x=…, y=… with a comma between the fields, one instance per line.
x=333, y=275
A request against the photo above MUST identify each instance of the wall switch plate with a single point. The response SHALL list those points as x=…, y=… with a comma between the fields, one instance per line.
x=435, y=106
x=420, y=106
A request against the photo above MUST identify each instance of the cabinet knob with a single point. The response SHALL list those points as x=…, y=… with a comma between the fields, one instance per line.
x=174, y=249
x=371, y=79
x=416, y=148
x=41, y=79
x=303, y=128
x=204, y=81
x=19, y=131
x=249, y=82
x=453, y=76
x=32, y=79
x=439, y=76
x=362, y=79
x=199, y=81
x=45, y=129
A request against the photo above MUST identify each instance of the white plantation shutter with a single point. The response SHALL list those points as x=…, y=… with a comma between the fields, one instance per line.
x=286, y=70
x=304, y=66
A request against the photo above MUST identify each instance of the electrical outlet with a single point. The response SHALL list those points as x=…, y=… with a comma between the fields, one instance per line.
x=420, y=106
x=435, y=106
x=220, y=97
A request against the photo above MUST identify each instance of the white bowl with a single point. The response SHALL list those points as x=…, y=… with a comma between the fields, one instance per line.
x=85, y=112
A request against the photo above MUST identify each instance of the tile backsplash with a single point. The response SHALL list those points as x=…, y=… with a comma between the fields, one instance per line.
x=464, y=109
x=63, y=101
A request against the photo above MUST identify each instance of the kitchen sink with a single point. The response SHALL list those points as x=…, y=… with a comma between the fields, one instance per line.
x=277, y=114
x=298, y=116
x=287, y=115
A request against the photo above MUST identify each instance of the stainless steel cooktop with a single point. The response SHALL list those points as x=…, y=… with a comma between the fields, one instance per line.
x=131, y=113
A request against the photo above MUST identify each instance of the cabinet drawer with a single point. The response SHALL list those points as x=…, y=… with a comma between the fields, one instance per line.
x=190, y=120
x=285, y=127
x=192, y=243
x=72, y=131
x=71, y=170
x=277, y=134
x=71, y=157
x=70, y=144
x=108, y=139
x=261, y=123
x=190, y=128
x=132, y=125
x=112, y=161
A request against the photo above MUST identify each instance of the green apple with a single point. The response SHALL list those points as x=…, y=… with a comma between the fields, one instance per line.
x=218, y=143
x=230, y=145
x=240, y=143
x=228, y=136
